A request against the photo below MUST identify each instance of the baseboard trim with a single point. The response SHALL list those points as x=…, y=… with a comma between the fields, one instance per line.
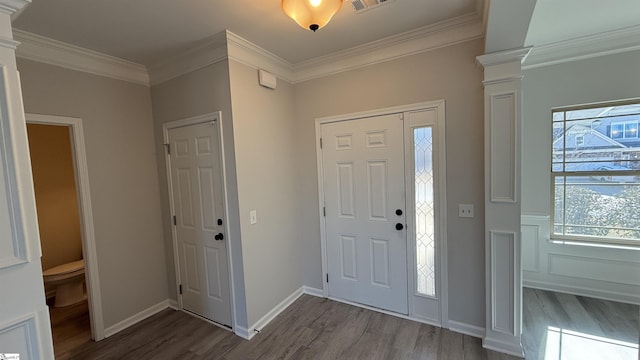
x=173, y=304
x=132, y=320
x=243, y=332
x=313, y=291
x=467, y=329
x=266, y=319
x=503, y=347
x=588, y=292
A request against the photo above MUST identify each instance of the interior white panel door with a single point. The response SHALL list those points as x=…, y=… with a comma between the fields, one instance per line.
x=363, y=180
x=197, y=190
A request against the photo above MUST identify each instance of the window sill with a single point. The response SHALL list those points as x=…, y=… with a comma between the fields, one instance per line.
x=594, y=244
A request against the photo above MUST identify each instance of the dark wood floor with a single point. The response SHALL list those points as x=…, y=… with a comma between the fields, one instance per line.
x=590, y=328
x=311, y=328
x=70, y=328
x=316, y=328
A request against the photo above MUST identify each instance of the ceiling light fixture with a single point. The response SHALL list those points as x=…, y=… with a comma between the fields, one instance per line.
x=311, y=14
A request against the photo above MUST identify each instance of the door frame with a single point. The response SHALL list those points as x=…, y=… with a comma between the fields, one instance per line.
x=195, y=120
x=440, y=183
x=89, y=252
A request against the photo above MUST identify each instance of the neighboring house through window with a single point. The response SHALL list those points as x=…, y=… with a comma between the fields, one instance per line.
x=596, y=174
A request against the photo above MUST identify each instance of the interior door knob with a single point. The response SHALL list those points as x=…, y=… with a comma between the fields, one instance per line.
x=399, y=226
x=219, y=236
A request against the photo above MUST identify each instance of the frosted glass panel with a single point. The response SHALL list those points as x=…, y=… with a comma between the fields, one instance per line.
x=425, y=227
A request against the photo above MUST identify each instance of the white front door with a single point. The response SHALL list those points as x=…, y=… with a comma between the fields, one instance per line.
x=198, y=202
x=364, y=194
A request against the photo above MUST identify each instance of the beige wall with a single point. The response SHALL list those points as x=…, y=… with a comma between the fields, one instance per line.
x=263, y=126
x=56, y=195
x=449, y=73
x=121, y=159
x=197, y=93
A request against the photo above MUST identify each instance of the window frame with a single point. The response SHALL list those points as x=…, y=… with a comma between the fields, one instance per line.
x=587, y=239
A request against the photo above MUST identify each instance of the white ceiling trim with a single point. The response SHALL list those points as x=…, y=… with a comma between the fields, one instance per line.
x=607, y=43
x=196, y=58
x=445, y=33
x=49, y=51
x=250, y=54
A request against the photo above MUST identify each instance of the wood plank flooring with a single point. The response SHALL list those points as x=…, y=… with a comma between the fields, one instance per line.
x=70, y=328
x=316, y=328
x=587, y=324
x=311, y=328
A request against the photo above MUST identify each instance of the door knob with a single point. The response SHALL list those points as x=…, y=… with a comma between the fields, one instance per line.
x=399, y=226
x=219, y=236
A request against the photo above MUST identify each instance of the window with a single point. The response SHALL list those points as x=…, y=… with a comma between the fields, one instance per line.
x=595, y=176
x=624, y=130
x=425, y=212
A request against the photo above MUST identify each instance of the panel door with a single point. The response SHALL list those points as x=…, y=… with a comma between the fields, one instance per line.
x=197, y=190
x=363, y=179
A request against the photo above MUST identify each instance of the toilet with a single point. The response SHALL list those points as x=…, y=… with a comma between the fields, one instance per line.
x=68, y=280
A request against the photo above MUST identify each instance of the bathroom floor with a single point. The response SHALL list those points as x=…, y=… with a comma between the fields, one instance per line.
x=70, y=327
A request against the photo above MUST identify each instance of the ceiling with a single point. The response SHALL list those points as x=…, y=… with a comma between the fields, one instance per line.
x=559, y=20
x=149, y=31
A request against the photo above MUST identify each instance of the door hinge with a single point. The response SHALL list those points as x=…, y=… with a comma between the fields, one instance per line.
x=324, y=211
x=168, y=146
x=175, y=221
x=180, y=289
x=320, y=143
x=327, y=277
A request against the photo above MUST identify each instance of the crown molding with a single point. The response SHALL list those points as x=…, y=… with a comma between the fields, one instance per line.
x=12, y=7
x=211, y=51
x=45, y=50
x=503, y=57
x=445, y=33
x=586, y=47
x=252, y=55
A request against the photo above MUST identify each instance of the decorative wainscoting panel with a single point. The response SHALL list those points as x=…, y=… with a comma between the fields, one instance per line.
x=503, y=247
x=503, y=152
x=13, y=249
x=601, y=272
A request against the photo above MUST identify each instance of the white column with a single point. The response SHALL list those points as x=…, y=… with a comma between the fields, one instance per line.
x=24, y=316
x=502, y=117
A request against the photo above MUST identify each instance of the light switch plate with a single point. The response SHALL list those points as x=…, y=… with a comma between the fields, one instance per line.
x=465, y=210
x=253, y=217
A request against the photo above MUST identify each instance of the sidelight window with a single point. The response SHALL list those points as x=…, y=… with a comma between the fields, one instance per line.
x=424, y=211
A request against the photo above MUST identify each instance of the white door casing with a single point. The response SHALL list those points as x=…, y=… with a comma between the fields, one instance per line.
x=194, y=163
x=89, y=253
x=363, y=167
x=431, y=308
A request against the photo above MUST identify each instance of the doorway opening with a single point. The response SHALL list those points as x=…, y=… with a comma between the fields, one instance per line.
x=63, y=203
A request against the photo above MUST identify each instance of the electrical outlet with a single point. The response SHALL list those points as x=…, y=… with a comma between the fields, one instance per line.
x=465, y=210
x=253, y=217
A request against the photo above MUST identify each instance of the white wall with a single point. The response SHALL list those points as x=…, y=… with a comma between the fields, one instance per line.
x=263, y=128
x=591, y=271
x=448, y=73
x=123, y=179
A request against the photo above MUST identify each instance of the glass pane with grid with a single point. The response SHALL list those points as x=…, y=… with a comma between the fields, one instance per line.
x=596, y=174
